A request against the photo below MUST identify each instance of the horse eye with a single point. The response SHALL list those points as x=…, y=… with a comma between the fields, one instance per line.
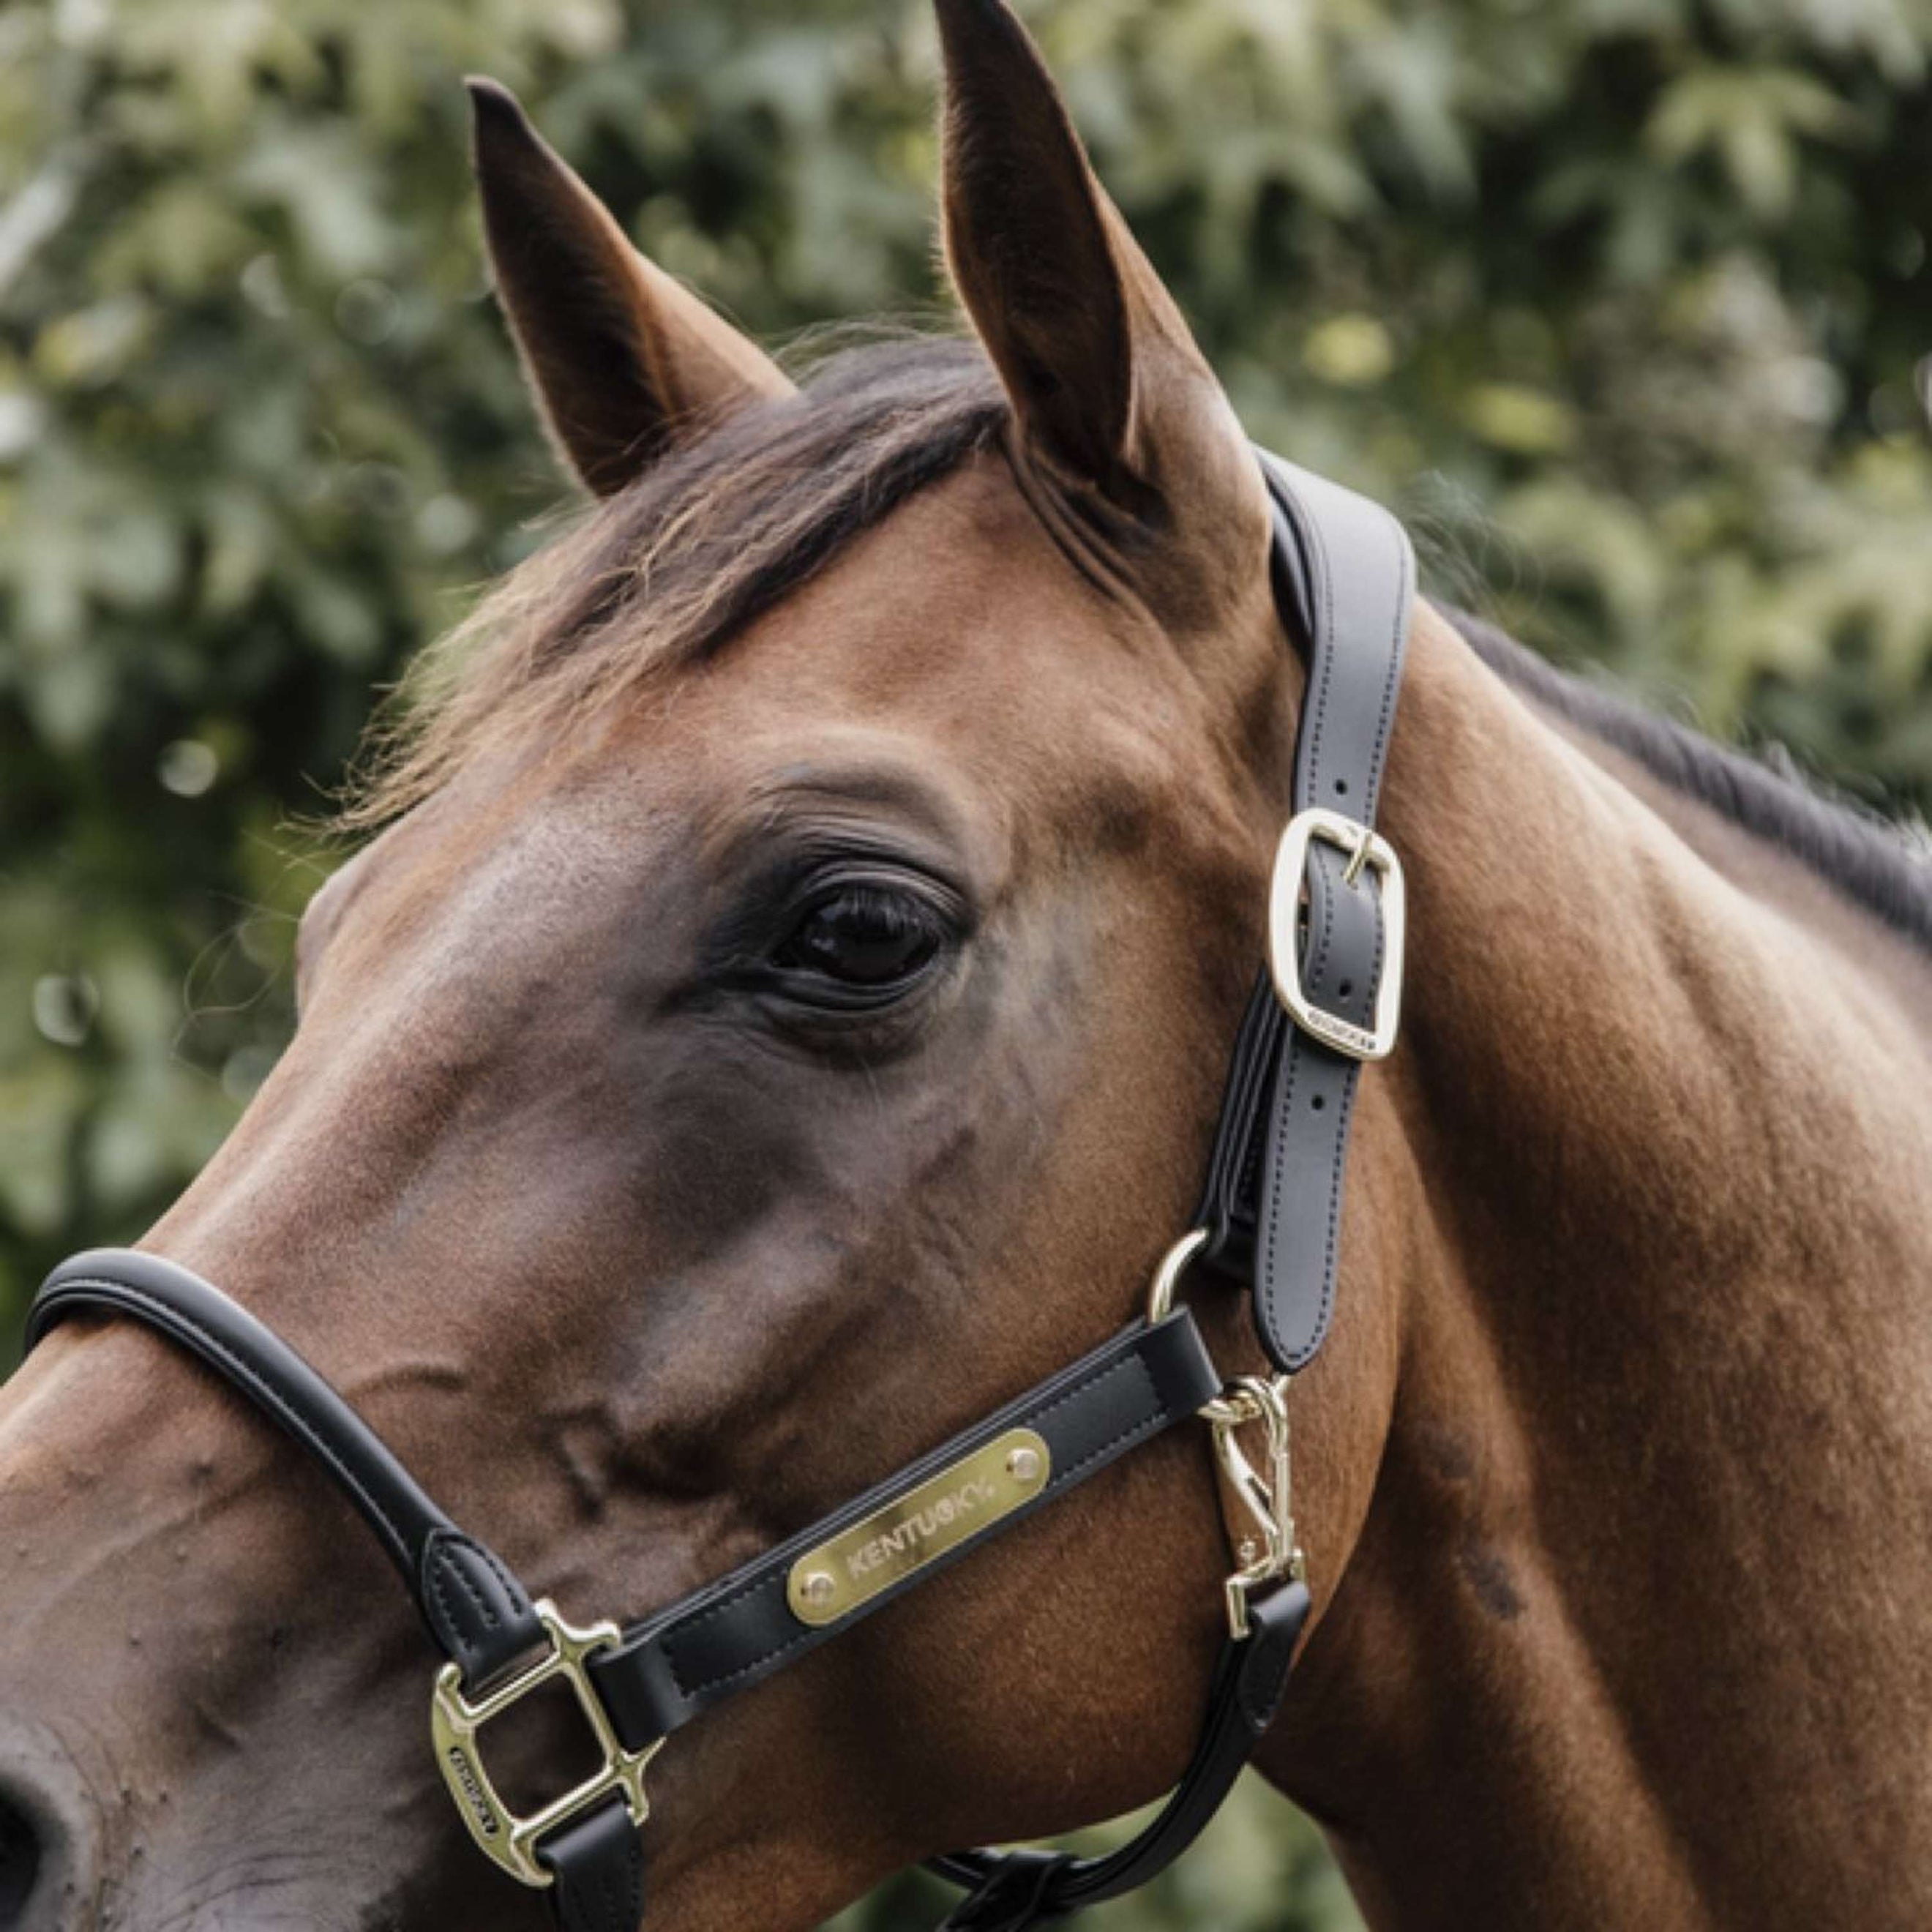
x=865, y=936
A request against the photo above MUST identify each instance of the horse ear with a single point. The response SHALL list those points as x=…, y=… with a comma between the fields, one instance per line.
x=625, y=361
x=1105, y=379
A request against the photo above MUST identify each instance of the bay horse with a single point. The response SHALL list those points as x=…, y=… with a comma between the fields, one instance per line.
x=785, y=1014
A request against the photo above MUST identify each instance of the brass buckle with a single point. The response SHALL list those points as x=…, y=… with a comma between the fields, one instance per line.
x=455, y=1719
x=1365, y=848
x=1257, y=1504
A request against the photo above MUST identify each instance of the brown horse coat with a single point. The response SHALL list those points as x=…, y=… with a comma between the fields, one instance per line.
x=1616, y=1476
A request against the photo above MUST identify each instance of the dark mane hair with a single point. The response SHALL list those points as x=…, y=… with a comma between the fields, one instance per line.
x=712, y=536
x=1880, y=864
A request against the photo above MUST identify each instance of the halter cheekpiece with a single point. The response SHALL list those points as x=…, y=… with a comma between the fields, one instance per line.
x=1328, y=1000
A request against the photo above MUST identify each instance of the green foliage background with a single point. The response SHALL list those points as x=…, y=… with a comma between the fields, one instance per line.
x=1625, y=302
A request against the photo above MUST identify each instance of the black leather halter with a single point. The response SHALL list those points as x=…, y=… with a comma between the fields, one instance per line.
x=1344, y=579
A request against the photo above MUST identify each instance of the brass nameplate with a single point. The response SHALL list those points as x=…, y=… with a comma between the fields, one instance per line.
x=907, y=1533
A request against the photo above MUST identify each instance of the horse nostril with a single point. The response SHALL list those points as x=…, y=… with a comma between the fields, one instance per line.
x=50, y=1833
x=20, y=1864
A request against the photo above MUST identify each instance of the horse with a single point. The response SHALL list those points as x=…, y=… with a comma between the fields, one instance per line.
x=783, y=1013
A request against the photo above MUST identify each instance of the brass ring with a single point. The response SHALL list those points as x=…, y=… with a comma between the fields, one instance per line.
x=1167, y=1276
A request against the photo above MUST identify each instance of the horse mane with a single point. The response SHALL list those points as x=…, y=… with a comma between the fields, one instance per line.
x=715, y=534
x=1882, y=864
x=671, y=567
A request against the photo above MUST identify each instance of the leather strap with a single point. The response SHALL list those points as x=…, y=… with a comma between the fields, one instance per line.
x=597, y=1862
x=1345, y=582
x=1010, y=1890
x=1356, y=585
x=1228, y=1206
x=741, y=1629
x=475, y=1610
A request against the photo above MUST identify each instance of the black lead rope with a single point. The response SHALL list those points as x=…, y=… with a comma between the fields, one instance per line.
x=1344, y=579
x=1011, y=1890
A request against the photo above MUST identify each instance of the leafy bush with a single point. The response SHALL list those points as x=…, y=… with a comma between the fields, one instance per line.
x=1623, y=303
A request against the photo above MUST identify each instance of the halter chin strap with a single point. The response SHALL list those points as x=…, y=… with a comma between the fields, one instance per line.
x=1344, y=578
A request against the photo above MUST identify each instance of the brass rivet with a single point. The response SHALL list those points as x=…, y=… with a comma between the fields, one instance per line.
x=1023, y=1464
x=1245, y=1552
x=816, y=1587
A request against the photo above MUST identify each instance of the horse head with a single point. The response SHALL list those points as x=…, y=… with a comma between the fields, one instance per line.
x=782, y=1017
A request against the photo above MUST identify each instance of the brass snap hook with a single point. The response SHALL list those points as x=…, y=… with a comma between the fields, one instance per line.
x=1256, y=1503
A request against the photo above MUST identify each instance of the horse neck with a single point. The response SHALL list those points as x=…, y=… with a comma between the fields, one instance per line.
x=1632, y=1633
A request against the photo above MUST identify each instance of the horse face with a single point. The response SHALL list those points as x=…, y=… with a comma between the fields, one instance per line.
x=699, y=1111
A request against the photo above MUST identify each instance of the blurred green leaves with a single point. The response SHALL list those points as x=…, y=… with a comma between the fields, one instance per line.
x=1625, y=303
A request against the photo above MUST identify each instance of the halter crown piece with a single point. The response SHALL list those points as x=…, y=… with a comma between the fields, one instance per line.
x=1329, y=999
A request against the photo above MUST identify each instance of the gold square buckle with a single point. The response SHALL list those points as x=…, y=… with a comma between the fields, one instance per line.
x=1365, y=849
x=455, y=1719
